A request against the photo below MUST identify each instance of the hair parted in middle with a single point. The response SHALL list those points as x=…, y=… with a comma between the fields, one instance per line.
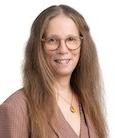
x=39, y=77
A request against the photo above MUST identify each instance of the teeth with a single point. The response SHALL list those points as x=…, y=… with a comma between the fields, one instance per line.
x=62, y=61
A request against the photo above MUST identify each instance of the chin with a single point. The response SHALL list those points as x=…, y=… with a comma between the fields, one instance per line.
x=63, y=73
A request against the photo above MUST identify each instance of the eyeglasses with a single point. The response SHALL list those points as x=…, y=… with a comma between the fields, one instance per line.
x=53, y=42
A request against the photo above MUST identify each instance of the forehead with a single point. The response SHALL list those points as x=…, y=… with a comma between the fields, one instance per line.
x=61, y=25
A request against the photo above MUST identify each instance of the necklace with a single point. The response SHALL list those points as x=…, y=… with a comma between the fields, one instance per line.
x=72, y=107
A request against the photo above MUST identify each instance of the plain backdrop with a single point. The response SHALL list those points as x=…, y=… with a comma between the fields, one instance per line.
x=16, y=17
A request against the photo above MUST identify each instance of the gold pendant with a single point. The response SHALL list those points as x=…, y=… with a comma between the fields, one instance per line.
x=73, y=109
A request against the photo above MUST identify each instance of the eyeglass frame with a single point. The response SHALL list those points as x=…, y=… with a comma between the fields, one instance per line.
x=58, y=40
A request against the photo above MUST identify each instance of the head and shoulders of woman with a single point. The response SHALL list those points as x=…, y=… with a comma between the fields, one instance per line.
x=61, y=55
x=57, y=25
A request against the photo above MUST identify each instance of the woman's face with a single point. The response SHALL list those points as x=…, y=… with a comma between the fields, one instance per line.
x=59, y=54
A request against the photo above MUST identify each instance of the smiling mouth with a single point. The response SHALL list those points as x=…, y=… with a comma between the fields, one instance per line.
x=62, y=61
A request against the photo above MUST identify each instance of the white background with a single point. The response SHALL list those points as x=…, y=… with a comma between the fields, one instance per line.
x=16, y=17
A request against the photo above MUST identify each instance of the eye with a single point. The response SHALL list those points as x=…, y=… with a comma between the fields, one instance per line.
x=51, y=40
x=71, y=39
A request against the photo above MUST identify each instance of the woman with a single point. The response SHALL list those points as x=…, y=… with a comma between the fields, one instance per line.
x=61, y=96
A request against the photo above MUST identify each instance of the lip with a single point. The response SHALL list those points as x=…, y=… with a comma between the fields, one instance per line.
x=62, y=61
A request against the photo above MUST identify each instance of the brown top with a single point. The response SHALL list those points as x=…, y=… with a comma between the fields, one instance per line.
x=84, y=131
x=14, y=121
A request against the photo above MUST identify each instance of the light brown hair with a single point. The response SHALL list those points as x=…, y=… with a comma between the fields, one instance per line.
x=38, y=77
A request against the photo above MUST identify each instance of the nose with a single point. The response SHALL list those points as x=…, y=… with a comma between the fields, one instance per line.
x=62, y=49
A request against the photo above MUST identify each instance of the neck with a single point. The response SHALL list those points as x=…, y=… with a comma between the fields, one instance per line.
x=63, y=80
x=63, y=87
x=65, y=97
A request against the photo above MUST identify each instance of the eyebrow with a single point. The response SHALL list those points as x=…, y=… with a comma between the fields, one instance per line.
x=54, y=35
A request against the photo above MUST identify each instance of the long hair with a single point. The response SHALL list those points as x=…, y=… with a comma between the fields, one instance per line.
x=38, y=77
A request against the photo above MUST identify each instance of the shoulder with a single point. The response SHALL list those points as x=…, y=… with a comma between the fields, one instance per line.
x=15, y=104
x=14, y=116
x=17, y=99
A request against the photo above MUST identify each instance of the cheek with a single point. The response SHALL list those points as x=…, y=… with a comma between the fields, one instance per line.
x=76, y=54
x=49, y=56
